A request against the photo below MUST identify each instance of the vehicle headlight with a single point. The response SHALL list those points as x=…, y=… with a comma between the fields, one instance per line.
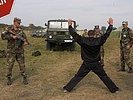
x=71, y=37
x=50, y=36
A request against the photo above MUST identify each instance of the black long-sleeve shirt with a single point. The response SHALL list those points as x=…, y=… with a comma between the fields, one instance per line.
x=90, y=46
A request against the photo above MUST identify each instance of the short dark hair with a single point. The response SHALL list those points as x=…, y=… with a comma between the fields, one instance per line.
x=91, y=33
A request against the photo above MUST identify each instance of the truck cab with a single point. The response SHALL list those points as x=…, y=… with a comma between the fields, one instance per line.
x=58, y=36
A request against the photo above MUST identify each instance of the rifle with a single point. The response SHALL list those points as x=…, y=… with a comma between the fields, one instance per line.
x=19, y=37
x=34, y=53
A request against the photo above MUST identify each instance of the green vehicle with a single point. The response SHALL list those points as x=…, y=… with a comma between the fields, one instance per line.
x=58, y=36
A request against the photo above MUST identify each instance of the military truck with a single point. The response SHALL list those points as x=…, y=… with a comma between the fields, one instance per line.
x=58, y=36
x=38, y=33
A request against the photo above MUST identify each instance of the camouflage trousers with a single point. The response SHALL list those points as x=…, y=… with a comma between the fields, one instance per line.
x=102, y=54
x=19, y=57
x=125, y=58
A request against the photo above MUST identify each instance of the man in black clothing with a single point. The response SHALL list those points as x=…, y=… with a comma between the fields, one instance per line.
x=90, y=54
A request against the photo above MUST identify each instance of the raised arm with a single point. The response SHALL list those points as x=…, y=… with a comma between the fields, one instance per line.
x=109, y=30
x=74, y=34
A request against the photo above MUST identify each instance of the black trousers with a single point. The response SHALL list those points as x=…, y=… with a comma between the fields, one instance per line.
x=98, y=70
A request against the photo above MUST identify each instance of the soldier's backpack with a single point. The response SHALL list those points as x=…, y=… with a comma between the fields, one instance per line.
x=36, y=53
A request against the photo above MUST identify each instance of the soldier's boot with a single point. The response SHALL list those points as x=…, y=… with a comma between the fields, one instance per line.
x=130, y=70
x=25, y=81
x=9, y=80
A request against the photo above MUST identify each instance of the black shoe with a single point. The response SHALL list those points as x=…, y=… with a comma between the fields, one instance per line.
x=65, y=90
x=116, y=90
x=9, y=81
x=25, y=81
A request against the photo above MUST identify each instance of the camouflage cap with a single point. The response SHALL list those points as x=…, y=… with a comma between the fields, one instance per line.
x=124, y=22
x=17, y=20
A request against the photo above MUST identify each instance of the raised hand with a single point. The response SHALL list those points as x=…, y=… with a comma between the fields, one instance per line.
x=69, y=22
x=110, y=21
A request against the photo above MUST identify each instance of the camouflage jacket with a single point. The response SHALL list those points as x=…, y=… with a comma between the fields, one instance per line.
x=127, y=36
x=98, y=34
x=85, y=34
x=14, y=45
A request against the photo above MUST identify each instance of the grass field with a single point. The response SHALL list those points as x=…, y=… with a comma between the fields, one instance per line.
x=50, y=71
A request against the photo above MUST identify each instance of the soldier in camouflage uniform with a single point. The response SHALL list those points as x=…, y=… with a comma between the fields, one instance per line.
x=85, y=33
x=16, y=39
x=126, y=42
x=98, y=33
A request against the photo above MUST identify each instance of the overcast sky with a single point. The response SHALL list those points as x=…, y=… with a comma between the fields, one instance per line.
x=87, y=13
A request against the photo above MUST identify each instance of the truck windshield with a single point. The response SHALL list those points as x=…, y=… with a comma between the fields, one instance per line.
x=63, y=25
